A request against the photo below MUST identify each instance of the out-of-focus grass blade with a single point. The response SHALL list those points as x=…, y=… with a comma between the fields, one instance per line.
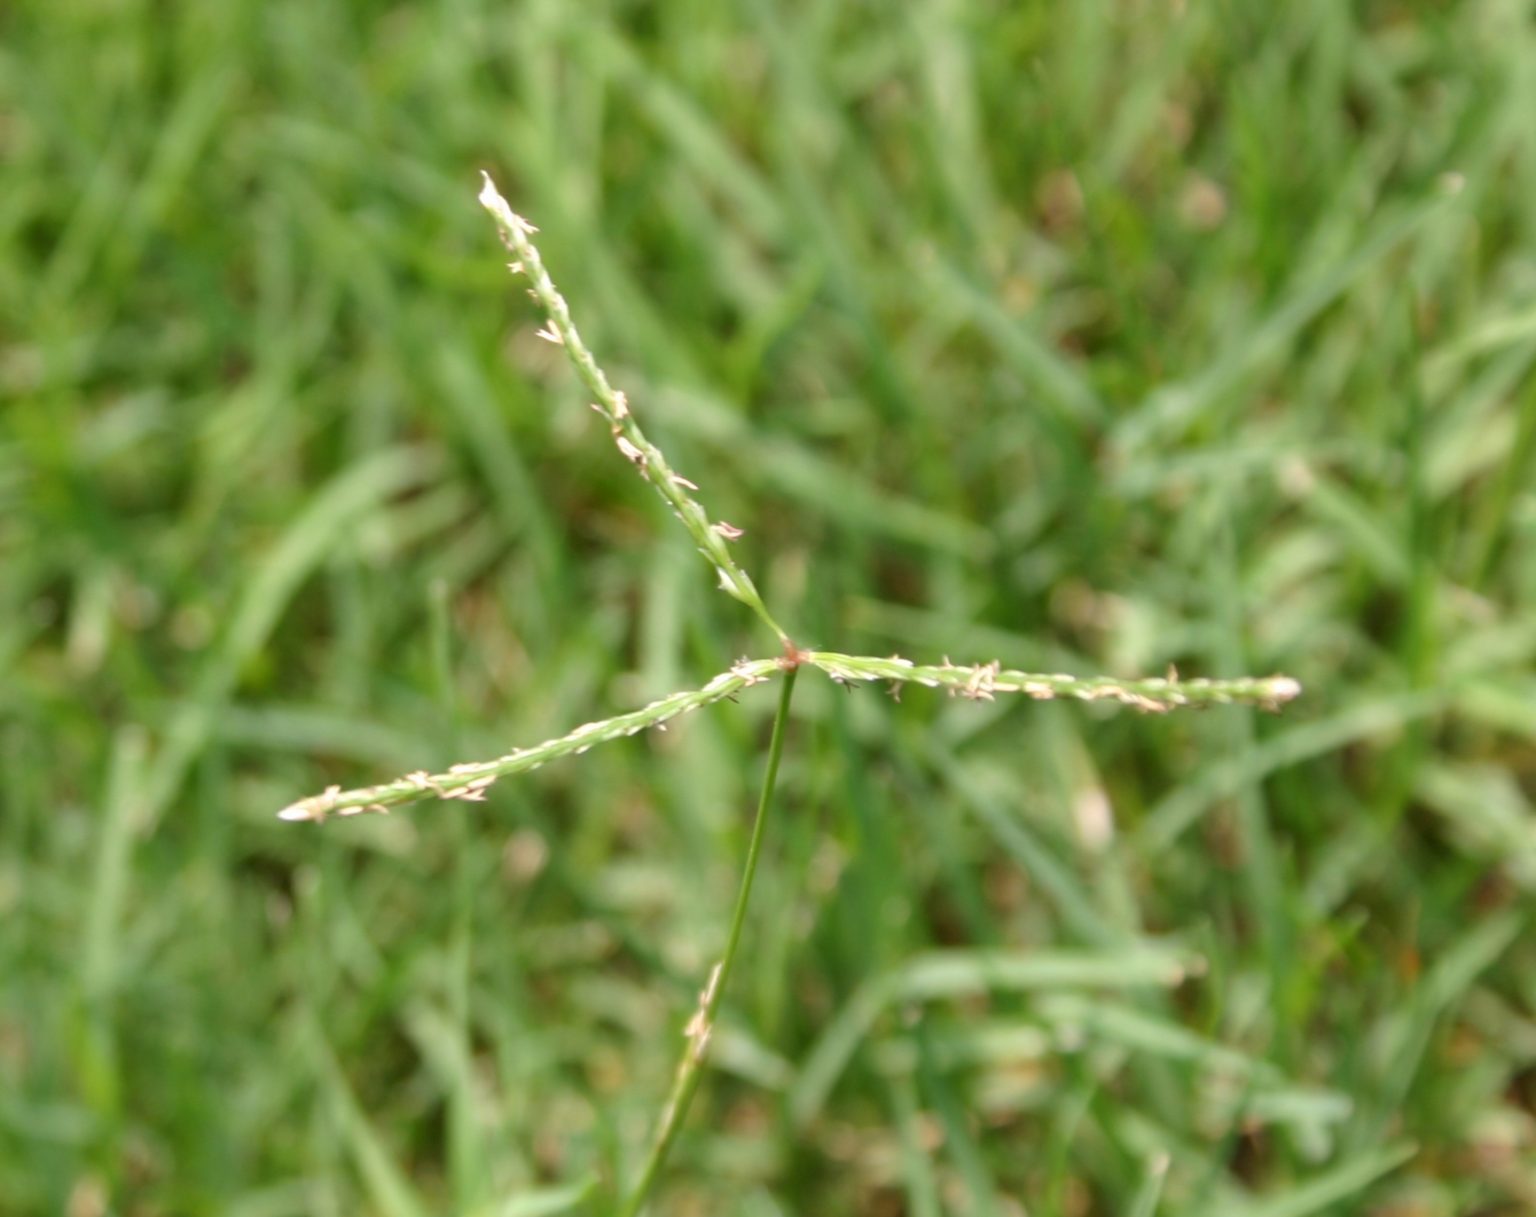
x=1065, y=889
x=853, y=501
x=443, y=1045
x=1507, y=328
x=1404, y=1037
x=1488, y=814
x=544, y=1201
x=967, y=973
x=921, y=1188
x=696, y=139
x=115, y=831
x=386, y=1184
x=1170, y=817
x=339, y=505
x=96, y=1047
x=313, y=730
x=1174, y=406
x=961, y=1143
x=1324, y=1190
x=1065, y=389
x=1504, y=703
x=1145, y=1203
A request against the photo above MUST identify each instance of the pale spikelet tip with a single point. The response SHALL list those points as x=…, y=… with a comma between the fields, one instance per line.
x=1284, y=688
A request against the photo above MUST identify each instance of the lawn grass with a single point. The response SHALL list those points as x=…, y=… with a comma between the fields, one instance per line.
x=1091, y=338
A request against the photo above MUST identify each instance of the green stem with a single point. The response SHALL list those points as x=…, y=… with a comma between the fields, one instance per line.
x=691, y=1067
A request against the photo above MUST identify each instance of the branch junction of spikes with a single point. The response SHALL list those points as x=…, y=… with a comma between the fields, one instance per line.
x=469, y=782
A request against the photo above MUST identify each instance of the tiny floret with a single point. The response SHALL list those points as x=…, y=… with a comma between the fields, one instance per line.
x=489, y=195
x=1284, y=688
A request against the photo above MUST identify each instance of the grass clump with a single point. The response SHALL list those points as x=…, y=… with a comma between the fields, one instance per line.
x=1095, y=338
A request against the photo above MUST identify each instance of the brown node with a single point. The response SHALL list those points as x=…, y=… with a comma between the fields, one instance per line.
x=793, y=656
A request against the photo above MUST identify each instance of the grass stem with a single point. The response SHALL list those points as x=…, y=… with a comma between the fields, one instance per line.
x=690, y=1067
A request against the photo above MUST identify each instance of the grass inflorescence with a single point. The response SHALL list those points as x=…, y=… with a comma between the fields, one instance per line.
x=470, y=781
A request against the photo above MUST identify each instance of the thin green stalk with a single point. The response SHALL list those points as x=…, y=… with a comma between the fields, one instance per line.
x=690, y=1067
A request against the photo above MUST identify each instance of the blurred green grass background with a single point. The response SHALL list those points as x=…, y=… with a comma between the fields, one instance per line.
x=1093, y=337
